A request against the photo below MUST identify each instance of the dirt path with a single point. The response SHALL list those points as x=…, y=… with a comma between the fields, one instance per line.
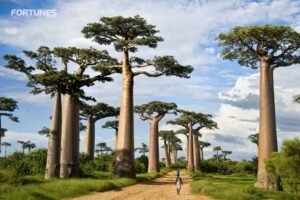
x=160, y=189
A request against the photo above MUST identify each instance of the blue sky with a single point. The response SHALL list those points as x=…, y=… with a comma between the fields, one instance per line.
x=218, y=87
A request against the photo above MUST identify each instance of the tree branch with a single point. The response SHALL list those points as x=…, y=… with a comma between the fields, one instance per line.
x=147, y=74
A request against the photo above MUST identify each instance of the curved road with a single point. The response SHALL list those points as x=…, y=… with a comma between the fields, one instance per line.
x=160, y=189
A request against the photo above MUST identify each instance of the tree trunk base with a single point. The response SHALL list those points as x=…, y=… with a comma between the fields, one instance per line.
x=124, y=165
x=69, y=170
x=265, y=181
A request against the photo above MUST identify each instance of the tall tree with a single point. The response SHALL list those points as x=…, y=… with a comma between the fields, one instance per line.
x=29, y=145
x=7, y=106
x=186, y=133
x=154, y=111
x=93, y=113
x=271, y=47
x=193, y=122
x=217, y=149
x=174, y=147
x=127, y=34
x=5, y=144
x=165, y=136
x=44, y=77
x=203, y=145
x=83, y=59
x=113, y=125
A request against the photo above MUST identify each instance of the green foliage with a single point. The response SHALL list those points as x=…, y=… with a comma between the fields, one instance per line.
x=111, y=124
x=151, y=176
x=280, y=44
x=97, y=111
x=32, y=163
x=61, y=189
x=254, y=138
x=297, y=99
x=286, y=163
x=123, y=32
x=8, y=104
x=157, y=108
x=141, y=164
x=44, y=131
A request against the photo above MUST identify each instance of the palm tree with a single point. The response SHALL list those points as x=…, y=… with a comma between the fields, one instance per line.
x=5, y=144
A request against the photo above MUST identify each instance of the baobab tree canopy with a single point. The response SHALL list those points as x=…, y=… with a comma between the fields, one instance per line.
x=202, y=120
x=123, y=32
x=97, y=111
x=8, y=104
x=156, y=108
x=278, y=44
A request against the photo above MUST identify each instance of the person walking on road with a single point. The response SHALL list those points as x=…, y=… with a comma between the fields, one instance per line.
x=178, y=183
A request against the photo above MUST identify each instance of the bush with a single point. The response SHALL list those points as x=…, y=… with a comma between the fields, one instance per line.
x=141, y=164
x=26, y=164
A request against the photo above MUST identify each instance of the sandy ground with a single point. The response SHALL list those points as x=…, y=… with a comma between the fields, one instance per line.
x=159, y=189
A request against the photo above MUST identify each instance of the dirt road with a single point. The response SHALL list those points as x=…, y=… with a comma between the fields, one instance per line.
x=160, y=189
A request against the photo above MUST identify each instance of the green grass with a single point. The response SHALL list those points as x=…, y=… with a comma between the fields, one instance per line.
x=36, y=187
x=235, y=187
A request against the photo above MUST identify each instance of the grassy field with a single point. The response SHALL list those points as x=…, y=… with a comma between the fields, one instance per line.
x=237, y=187
x=36, y=188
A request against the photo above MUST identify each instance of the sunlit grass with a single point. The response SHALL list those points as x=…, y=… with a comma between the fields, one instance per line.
x=235, y=187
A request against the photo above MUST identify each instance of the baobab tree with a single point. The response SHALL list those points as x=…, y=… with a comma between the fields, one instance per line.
x=101, y=147
x=203, y=145
x=186, y=133
x=29, y=145
x=93, y=113
x=174, y=142
x=225, y=153
x=83, y=59
x=45, y=78
x=217, y=149
x=267, y=47
x=23, y=144
x=154, y=111
x=5, y=144
x=127, y=34
x=165, y=136
x=113, y=125
x=7, y=106
x=193, y=122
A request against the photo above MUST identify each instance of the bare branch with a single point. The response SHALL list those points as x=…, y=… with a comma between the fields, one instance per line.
x=148, y=74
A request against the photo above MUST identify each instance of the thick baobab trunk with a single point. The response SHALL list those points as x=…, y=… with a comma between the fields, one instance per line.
x=267, y=127
x=125, y=148
x=174, y=160
x=196, y=152
x=167, y=159
x=69, y=157
x=190, y=166
x=153, y=165
x=116, y=139
x=89, y=138
x=53, y=153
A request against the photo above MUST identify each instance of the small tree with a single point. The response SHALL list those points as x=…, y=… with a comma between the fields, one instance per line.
x=45, y=131
x=286, y=164
x=268, y=47
x=217, y=149
x=225, y=153
x=203, y=145
x=101, y=147
x=154, y=111
x=5, y=144
x=113, y=125
x=193, y=122
x=93, y=113
x=165, y=136
x=7, y=106
x=127, y=34
x=143, y=149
